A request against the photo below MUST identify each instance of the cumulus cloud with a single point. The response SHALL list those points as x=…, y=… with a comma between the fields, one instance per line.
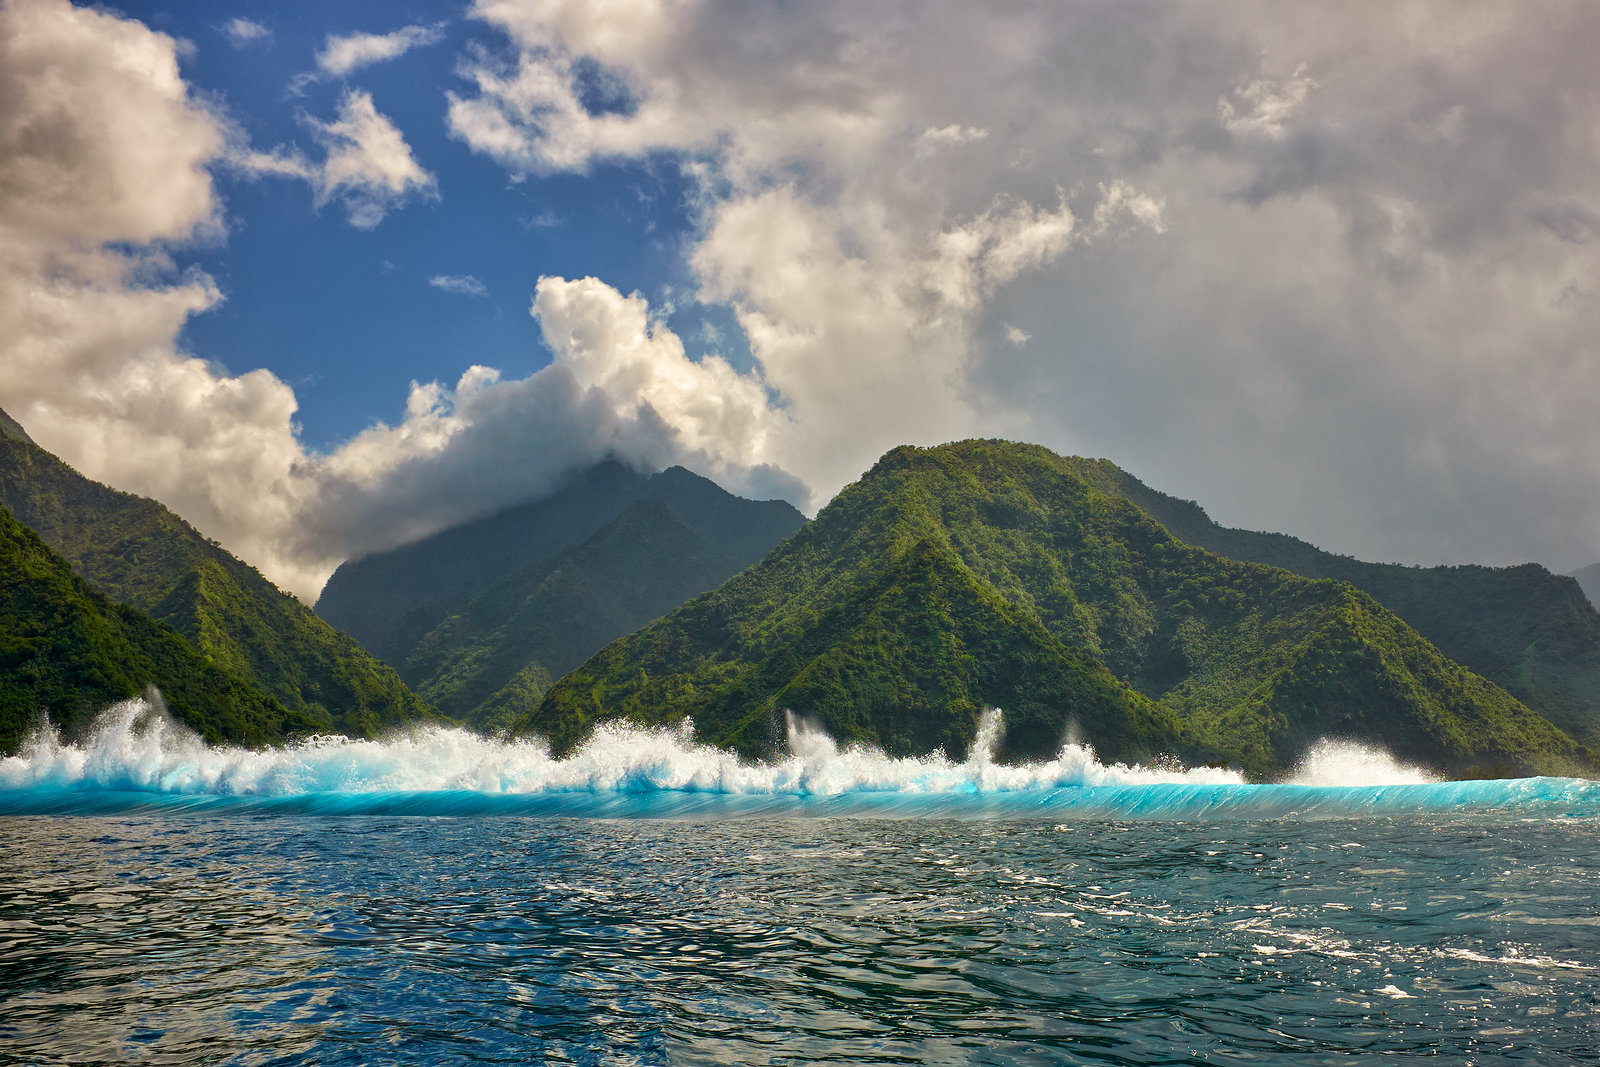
x=1320, y=267
x=104, y=158
x=243, y=32
x=1326, y=269
x=464, y=284
x=369, y=168
x=366, y=166
x=344, y=55
x=620, y=385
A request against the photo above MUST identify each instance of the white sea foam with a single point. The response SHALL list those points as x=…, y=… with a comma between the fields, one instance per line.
x=1332, y=762
x=135, y=747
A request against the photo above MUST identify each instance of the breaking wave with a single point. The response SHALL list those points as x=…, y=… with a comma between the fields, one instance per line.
x=137, y=758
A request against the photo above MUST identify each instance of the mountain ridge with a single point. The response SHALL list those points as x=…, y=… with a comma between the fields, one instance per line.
x=140, y=554
x=67, y=652
x=1531, y=632
x=915, y=588
x=480, y=617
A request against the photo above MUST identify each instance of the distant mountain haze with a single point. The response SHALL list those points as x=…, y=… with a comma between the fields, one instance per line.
x=1527, y=630
x=984, y=574
x=137, y=553
x=946, y=580
x=479, y=618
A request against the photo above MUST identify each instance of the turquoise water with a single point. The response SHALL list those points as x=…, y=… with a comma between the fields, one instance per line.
x=650, y=901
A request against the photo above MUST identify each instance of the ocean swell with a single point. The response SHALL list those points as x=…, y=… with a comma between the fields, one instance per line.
x=138, y=758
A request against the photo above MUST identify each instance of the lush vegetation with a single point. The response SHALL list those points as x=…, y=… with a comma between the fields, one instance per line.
x=139, y=554
x=987, y=573
x=485, y=614
x=67, y=652
x=1533, y=633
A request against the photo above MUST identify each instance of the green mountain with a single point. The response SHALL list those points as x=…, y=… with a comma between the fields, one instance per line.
x=481, y=617
x=67, y=651
x=993, y=574
x=1588, y=579
x=1531, y=632
x=140, y=554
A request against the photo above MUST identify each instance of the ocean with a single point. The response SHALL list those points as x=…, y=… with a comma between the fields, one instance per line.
x=441, y=899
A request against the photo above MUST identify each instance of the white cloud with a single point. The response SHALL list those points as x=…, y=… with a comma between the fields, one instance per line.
x=243, y=32
x=344, y=55
x=1016, y=337
x=1264, y=108
x=464, y=284
x=369, y=167
x=933, y=140
x=1353, y=302
x=104, y=155
x=1312, y=265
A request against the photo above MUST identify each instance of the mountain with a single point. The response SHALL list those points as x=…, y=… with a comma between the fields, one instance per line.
x=1588, y=579
x=1529, y=631
x=479, y=618
x=68, y=651
x=139, y=554
x=993, y=574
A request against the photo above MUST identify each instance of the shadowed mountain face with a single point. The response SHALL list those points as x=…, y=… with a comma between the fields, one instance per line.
x=987, y=573
x=68, y=652
x=1527, y=630
x=481, y=617
x=139, y=554
x=1588, y=579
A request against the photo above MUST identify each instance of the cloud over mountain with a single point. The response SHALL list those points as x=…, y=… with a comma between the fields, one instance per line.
x=1333, y=266
x=105, y=155
x=1329, y=269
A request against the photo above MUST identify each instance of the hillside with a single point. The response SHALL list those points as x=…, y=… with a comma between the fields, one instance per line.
x=492, y=659
x=69, y=652
x=985, y=573
x=1588, y=579
x=479, y=618
x=1529, y=631
x=393, y=601
x=139, y=554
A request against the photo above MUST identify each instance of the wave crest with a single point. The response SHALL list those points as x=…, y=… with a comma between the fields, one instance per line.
x=1334, y=762
x=134, y=747
x=137, y=758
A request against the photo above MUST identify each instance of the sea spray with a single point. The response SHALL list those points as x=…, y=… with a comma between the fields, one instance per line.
x=136, y=747
x=1334, y=762
x=137, y=757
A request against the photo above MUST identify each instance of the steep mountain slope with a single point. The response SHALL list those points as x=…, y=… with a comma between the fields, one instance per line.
x=479, y=618
x=1531, y=632
x=140, y=554
x=987, y=573
x=1589, y=581
x=67, y=651
x=391, y=600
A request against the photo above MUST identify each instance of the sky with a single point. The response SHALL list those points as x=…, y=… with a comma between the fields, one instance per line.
x=325, y=278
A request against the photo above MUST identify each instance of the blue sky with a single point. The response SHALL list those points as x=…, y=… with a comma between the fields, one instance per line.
x=324, y=278
x=346, y=315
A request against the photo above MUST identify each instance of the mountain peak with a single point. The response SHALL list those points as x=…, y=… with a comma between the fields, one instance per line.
x=12, y=428
x=996, y=574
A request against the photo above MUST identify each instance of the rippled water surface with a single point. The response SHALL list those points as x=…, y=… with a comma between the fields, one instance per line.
x=1010, y=936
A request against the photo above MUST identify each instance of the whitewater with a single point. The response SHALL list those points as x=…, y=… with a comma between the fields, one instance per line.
x=440, y=898
x=137, y=756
